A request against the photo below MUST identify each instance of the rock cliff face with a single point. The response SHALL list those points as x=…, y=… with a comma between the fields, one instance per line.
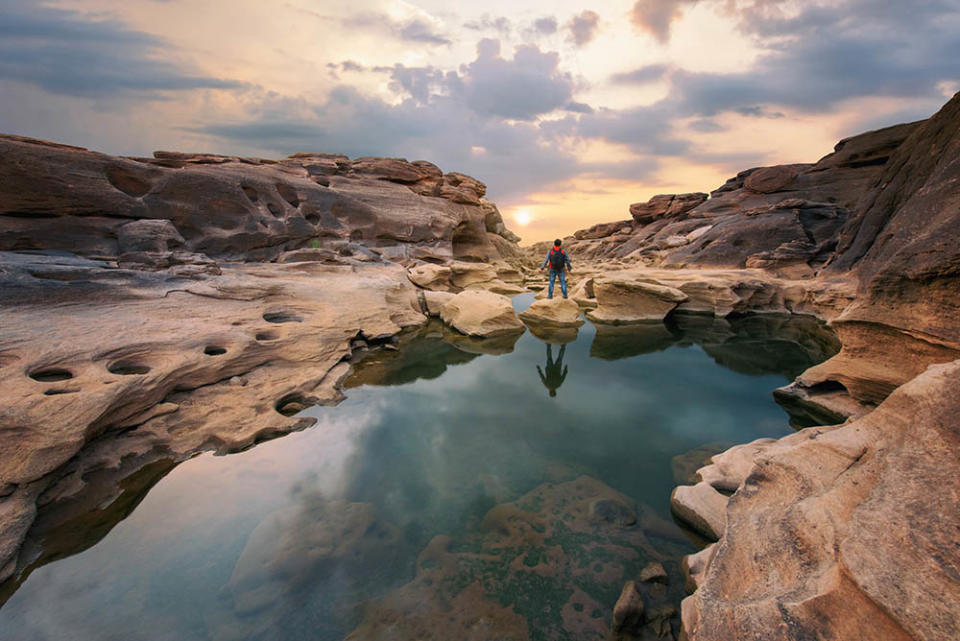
x=785, y=219
x=68, y=198
x=837, y=532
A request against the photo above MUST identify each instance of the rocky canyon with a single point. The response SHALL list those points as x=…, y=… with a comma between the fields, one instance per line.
x=152, y=309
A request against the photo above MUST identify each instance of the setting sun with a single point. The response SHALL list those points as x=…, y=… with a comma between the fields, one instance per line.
x=522, y=217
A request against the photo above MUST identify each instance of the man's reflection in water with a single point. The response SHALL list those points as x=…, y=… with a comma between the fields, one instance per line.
x=554, y=376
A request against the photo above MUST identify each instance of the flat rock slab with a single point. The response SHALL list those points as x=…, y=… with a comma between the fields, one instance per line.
x=622, y=301
x=556, y=312
x=702, y=508
x=481, y=313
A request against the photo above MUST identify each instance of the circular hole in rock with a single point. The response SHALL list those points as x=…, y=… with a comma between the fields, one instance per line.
x=214, y=350
x=313, y=219
x=51, y=375
x=250, y=192
x=58, y=392
x=274, y=210
x=282, y=317
x=292, y=404
x=127, y=368
x=266, y=336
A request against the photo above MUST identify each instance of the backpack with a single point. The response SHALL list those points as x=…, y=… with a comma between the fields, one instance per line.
x=557, y=259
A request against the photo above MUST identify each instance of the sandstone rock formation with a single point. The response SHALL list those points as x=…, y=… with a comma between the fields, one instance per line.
x=481, y=313
x=138, y=295
x=862, y=506
x=834, y=532
x=240, y=208
x=553, y=313
x=631, y=301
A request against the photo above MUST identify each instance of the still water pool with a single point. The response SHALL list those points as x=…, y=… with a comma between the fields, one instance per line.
x=453, y=495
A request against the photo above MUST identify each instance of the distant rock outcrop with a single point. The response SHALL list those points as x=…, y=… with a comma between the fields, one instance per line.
x=224, y=207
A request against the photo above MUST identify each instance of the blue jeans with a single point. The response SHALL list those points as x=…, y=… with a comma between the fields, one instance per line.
x=563, y=282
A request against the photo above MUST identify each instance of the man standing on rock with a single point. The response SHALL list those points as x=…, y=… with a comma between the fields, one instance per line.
x=559, y=262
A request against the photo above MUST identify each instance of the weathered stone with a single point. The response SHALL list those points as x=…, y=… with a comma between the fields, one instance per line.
x=653, y=573
x=433, y=277
x=665, y=206
x=695, y=566
x=466, y=274
x=435, y=301
x=701, y=507
x=858, y=503
x=768, y=180
x=481, y=313
x=628, y=611
x=621, y=301
x=556, y=312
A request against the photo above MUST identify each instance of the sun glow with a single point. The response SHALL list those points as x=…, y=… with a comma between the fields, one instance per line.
x=522, y=217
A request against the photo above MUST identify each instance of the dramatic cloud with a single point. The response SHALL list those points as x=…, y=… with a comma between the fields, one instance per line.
x=523, y=88
x=73, y=54
x=445, y=131
x=829, y=59
x=656, y=16
x=583, y=27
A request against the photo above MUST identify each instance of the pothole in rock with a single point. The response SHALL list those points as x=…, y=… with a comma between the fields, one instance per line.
x=282, y=317
x=292, y=404
x=274, y=210
x=127, y=368
x=266, y=336
x=250, y=192
x=58, y=392
x=51, y=375
x=214, y=350
x=289, y=194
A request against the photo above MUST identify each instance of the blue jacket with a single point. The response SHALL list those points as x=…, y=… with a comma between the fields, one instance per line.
x=566, y=260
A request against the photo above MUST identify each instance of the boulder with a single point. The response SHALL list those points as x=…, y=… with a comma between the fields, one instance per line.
x=701, y=507
x=628, y=611
x=435, y=301
x=481, y=313
x=623, y=301
x=653, y=573
x=463, y=274
x=430, y=276
x=556, y=312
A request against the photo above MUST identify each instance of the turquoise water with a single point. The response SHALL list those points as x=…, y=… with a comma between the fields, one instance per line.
x=318, y=533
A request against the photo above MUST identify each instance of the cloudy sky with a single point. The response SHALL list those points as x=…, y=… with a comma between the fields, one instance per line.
x=568, y=110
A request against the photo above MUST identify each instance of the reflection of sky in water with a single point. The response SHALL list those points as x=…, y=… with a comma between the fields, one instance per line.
x=432, y=455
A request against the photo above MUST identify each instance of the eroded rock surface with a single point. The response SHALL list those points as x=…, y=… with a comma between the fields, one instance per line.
x=481, y=313
x=862, y=505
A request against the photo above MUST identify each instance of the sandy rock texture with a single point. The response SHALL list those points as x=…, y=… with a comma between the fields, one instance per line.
x=100, y=371
x=839, y=532
x=61, y=197
x=552, y=313
x=481, y=313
